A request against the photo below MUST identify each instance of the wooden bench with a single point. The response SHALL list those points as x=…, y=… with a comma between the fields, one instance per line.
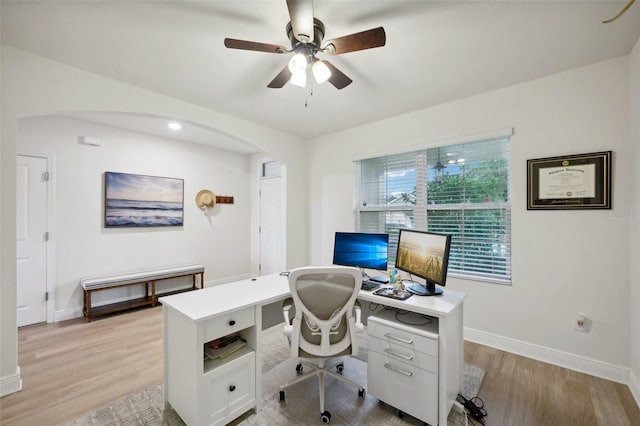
x=147, y=277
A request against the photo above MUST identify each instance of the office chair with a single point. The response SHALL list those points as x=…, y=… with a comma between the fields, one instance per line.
x=323, y=325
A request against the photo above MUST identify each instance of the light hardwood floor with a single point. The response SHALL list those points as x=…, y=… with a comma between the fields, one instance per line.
x=73, y=367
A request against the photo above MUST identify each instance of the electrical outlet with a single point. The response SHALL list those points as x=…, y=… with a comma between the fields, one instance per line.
x=580, y=323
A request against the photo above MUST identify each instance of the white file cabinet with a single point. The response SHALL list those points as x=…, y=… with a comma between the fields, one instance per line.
x=209, y=391
x=402, y=367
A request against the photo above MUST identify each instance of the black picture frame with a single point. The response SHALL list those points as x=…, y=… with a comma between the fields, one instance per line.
x=570, y=182
x=138, y=201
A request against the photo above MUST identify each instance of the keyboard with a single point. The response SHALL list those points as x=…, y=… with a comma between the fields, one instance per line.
x=369, y=285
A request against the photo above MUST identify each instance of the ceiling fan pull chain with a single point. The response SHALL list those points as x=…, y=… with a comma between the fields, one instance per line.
x=306, y=99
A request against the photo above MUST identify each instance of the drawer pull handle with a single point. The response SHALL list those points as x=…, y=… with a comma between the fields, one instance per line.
x=403, y=356
x=232, y=322
x=397, y=370
x=232, y=388
x=399, y=339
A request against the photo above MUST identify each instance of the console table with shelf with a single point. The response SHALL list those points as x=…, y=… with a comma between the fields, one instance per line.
x=215, y=392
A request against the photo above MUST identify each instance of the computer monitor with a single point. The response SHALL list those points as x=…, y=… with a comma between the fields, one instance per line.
x=426, y=255
x=361, y=250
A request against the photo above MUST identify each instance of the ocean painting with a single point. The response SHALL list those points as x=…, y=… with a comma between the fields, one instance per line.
x=139, y=201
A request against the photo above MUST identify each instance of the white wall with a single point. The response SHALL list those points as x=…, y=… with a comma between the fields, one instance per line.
x=220, y=241
x=634, y=218
x=564, y=262
x=34, y=86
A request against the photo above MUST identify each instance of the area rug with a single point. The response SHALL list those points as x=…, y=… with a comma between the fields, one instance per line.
x=300, y=407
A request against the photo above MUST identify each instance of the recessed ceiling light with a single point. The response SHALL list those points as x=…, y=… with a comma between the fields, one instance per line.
x=175, y=126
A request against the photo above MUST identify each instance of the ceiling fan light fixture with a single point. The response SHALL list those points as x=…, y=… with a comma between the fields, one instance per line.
x=321, y=71
x=299, y=79
x=298, y=63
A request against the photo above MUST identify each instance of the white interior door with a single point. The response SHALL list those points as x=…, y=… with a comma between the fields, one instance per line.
x=31, y=239
x=271, y=226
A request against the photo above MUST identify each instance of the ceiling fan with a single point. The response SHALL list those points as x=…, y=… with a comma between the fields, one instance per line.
x=623, y=10
x=306, y=34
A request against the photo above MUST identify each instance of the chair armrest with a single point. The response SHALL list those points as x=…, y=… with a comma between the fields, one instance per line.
x=288, y=328
x=359, y=325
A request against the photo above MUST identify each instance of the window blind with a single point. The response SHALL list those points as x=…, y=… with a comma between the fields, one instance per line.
x=462, y=190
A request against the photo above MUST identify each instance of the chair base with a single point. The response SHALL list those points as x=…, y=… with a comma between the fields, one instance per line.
x=321, y=370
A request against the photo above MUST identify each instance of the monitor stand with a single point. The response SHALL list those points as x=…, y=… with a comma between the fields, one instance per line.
x=365, y=276
x=378, y=278
x=422, y=289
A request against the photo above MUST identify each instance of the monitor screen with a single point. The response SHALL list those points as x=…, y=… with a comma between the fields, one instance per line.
x=426, y=255
x=361, y=250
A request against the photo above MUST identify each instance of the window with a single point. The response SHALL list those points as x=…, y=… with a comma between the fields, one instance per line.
x=460, y=189
x=270, y=169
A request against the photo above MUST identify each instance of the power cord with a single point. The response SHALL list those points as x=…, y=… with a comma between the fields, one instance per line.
x=375, y=307
x=474, y=408
x=425, y=319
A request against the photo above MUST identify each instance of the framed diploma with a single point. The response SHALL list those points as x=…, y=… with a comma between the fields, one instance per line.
x=569, y=182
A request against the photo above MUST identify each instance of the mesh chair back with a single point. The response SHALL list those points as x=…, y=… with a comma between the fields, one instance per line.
x=324, y=297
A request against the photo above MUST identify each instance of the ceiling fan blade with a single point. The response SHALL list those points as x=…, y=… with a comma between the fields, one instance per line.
x=624, y=9
x=281, y=79
x=301, y=14
x=338, y=78
x=233, y=43
x=375, y=37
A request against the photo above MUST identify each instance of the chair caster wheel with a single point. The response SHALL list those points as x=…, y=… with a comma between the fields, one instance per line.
x=325, y=417
x=299, y=368
x=281, y=395
x=340, y=367
x=361, y=393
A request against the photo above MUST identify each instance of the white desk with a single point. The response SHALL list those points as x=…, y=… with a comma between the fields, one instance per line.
x=212, y=393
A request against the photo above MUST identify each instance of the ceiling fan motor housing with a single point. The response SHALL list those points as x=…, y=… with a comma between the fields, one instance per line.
x=318, y=35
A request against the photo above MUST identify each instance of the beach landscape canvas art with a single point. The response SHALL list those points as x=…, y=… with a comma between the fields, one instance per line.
x=140, y=201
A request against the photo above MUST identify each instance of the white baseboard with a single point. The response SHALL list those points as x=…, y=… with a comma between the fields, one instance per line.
x=67, y=314
x=11, y=383
x=634, y=386
x=568, y=360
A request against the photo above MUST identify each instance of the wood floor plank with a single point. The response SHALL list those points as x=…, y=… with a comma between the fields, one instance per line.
x=608, y=405
x=73, y=367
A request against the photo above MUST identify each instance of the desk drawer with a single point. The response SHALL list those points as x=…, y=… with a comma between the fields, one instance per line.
x=403, y=353
x=228, y=323
x=401, y=335
x=229, y=391
x=407, y=388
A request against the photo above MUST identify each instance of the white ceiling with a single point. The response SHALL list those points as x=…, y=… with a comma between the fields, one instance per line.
x=436, y=51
